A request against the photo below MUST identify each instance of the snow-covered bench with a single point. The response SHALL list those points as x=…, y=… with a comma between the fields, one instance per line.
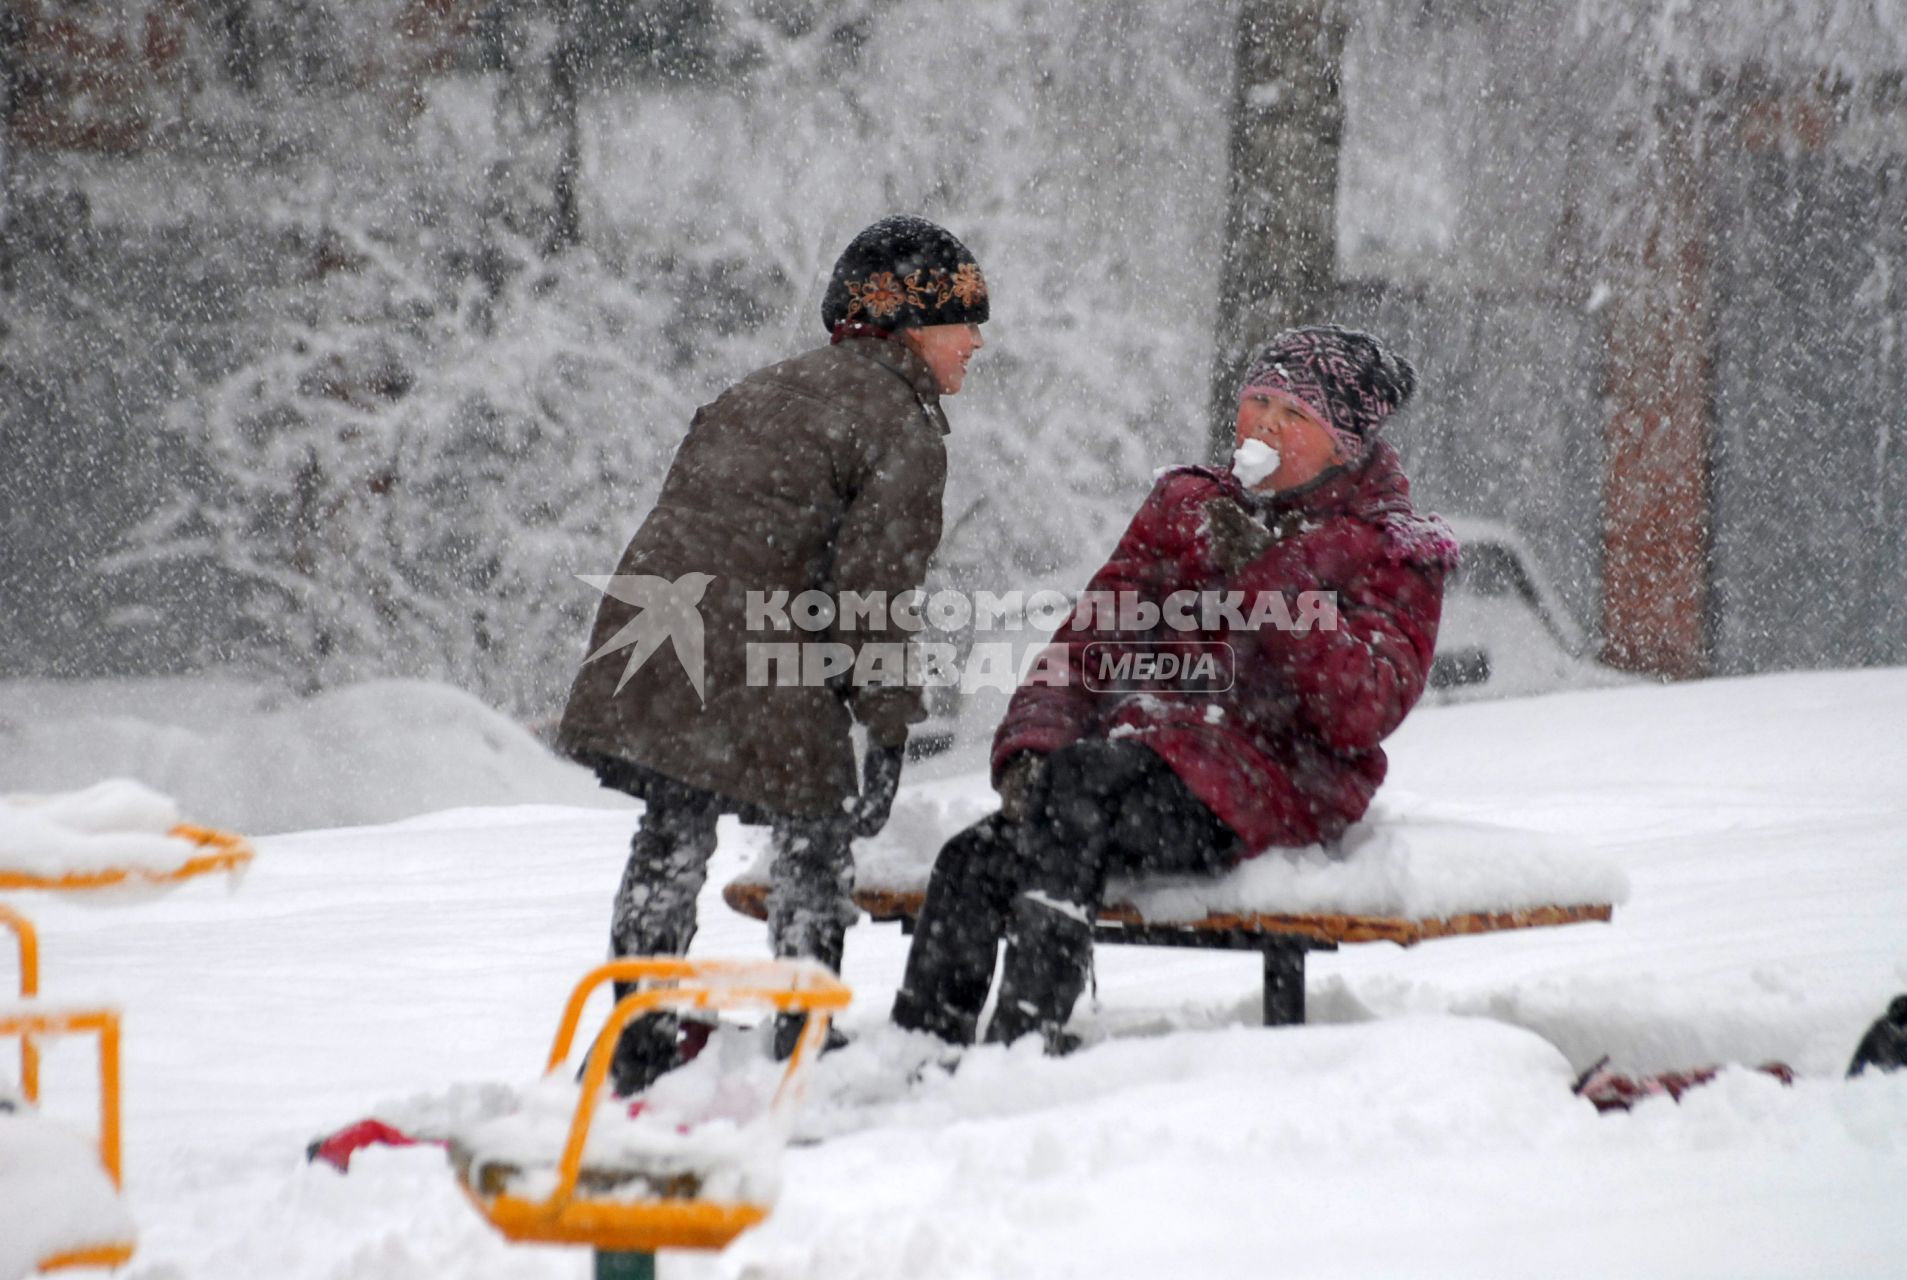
x=1410, y=872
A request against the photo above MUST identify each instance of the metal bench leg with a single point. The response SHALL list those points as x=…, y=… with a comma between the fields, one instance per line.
x=1284, y=986
x=625, y=1266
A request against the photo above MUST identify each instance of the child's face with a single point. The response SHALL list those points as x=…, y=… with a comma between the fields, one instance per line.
x=946, y=348
x=1305, y=447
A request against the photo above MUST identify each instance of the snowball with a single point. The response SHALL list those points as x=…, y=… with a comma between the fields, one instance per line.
x=1253, y=462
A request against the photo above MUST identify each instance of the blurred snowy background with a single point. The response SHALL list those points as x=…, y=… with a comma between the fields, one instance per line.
x=335, y=338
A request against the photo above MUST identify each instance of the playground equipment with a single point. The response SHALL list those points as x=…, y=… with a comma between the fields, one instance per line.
x=623, y=1209
x=203, y=852
x=213, y=852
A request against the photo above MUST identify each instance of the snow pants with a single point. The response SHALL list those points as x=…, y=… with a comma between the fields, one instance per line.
x=810, y=904
x=1099, y=808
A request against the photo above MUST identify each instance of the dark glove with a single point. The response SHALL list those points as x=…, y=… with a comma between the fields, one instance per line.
x=1018, y=781
x=1237, y=537
x=880, y=779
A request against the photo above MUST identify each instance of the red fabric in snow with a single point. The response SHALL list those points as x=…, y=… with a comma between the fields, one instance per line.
x=337, y=1149
x=1612, y=1091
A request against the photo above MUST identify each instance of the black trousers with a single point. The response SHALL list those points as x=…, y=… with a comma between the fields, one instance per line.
x=810, y=901
x=1100, y=808
x=810, y=904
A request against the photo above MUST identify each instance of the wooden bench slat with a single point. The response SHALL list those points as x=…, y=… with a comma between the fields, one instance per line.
x=750, y=898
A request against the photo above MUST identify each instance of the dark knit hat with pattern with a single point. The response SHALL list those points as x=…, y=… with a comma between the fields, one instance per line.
x=904, y=273
x=1350, y=380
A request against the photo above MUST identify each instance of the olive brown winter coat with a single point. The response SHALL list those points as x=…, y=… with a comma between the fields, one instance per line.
x=824, y=472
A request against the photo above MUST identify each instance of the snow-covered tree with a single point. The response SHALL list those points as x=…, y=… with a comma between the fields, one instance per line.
x=407, y=477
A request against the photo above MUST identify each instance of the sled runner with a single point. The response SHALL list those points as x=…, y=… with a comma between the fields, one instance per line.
x=583, y=1191
x=1406, y=874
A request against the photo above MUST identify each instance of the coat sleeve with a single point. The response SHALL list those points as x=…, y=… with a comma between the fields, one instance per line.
x=1355, y=682
x=1053, y=707
x=889, y=529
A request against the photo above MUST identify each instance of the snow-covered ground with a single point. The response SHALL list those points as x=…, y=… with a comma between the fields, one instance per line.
x=1421, y=1125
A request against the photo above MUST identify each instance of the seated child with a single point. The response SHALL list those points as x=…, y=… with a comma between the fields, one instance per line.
x=1306, y=576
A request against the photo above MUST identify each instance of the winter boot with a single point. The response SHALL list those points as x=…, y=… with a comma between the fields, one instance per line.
x=821, y=940
x=788, y=1029
x=1049, y=946
x=644, y=1054
x=957, y=937
x=1884, y=1047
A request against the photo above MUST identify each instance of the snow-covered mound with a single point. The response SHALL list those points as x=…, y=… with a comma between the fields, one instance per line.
x=55, y=1197
x=258, y=762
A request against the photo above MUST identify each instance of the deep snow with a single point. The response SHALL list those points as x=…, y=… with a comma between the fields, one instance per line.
x=55, y=1196
x=1421, y=1125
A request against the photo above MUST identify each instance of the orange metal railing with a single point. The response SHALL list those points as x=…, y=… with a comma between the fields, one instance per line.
x=217, y=851
x=566, y=1217
x=221, y=851
x=103, y=1023
x=29, y=949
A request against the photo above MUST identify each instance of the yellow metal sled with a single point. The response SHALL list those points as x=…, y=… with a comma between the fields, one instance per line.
x=30, y=1021
x=215, y=851
x=210, y=852
x=666, y=1219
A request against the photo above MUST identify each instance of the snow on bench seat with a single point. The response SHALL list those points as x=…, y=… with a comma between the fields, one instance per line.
x=1408, y=872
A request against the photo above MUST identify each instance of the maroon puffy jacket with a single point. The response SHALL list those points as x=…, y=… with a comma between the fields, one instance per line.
x=1288, y=755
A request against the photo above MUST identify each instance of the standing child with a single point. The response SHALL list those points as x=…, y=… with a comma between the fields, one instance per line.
x=822, y=473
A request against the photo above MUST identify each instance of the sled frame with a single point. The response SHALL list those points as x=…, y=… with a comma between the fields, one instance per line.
x=213, y=852
x=29, y=1022
x=104, y=1023
x=666, y=983
x=27, y=946
x=219, y=851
